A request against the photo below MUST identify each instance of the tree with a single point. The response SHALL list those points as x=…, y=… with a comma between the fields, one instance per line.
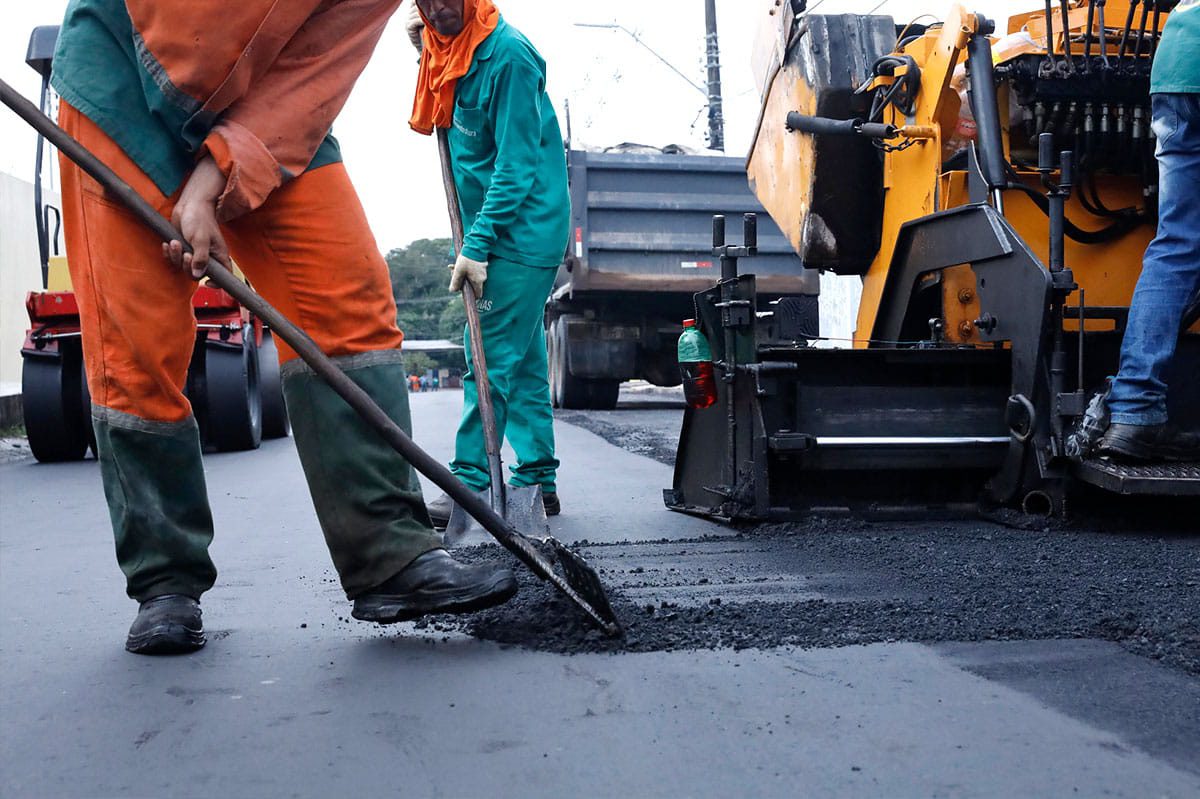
x=419, y=277
x=452, y=320
x=418, y=363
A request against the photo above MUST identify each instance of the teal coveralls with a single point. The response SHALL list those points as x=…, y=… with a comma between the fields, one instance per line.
x=506, y=153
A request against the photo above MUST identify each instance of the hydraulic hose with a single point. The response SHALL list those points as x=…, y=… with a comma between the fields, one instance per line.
x=985, y=107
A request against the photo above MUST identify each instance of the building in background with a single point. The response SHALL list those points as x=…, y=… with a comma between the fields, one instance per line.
x=20, y=273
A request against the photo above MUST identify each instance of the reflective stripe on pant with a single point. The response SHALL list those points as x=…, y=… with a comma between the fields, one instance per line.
x=511, y=314
x=308, y=251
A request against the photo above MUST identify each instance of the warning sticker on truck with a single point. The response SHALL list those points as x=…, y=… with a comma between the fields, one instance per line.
x=696, y=264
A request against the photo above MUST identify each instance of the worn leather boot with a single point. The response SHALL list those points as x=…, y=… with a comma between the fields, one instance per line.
x=435, y=583
x=166, y=625
x=1159, y=442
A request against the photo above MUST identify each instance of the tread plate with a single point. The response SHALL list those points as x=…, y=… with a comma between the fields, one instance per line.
x=1164, y=479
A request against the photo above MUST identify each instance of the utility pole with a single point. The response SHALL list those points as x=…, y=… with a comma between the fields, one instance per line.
x=716, y=118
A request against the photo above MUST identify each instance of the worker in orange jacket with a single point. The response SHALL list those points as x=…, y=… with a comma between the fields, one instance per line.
x=225, y=128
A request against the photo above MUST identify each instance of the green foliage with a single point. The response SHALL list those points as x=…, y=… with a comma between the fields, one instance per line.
x=418, y=274
x=418, y=363
x=452, y=320
x=425, y=308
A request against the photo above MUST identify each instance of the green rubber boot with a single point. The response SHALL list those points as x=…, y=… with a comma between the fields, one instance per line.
x=367, y=497
x=154, y=483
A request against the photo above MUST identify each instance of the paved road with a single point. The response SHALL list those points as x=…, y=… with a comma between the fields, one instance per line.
x=290, y=698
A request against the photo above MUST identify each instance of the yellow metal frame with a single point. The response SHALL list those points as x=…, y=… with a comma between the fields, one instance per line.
x=915, y=186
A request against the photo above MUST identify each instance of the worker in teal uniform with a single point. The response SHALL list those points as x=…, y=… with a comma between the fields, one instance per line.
x=483, y=80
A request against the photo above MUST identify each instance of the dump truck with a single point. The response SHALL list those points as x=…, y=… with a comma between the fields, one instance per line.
x=233, y=380
x=995, y=192
x=639, y=249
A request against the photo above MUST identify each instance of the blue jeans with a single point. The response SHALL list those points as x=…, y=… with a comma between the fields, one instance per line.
x=1170, y=279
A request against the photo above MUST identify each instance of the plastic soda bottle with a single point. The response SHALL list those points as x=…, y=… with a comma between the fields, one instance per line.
x=695, y=365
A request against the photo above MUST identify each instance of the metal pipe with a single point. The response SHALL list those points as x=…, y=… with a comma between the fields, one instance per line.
x=716, y=116
x=43, y=233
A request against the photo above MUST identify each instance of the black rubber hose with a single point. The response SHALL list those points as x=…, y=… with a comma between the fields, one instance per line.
x=1114, y=231
x=823, y=126
x=1066, y=34
x=985, y=107
x=1087, y=36
x=1128, y=27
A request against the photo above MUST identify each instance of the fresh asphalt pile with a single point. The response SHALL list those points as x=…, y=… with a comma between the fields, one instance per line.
x=838, y=581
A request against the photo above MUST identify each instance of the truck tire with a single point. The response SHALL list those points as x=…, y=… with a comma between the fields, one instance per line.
x=568, y=391
x=51, y=399
x=603, y=394
x=662, y=371
x=275, y=423
x=552, y=363
x=234, y=395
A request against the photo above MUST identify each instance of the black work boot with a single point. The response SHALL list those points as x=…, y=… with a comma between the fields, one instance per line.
x=1158, y=442
x=166, y=625
x=435, y=583
x=439, y=511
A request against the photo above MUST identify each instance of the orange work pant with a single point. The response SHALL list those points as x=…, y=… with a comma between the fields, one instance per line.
x=308, y=250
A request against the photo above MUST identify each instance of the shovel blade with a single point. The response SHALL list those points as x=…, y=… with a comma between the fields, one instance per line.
x=581, y=577
x=523, y=509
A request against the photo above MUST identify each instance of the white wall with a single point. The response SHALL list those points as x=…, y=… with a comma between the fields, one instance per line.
x=20, y=273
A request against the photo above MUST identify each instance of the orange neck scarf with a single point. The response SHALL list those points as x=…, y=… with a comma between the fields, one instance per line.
x=444, y=60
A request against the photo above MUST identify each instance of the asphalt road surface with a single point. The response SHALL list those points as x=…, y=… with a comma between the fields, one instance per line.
x=836, y=658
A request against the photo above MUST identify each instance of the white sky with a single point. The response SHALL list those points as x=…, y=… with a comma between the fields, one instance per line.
x=616, y=90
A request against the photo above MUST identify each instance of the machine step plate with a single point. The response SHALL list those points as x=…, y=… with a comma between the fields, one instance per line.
x=1162, y=479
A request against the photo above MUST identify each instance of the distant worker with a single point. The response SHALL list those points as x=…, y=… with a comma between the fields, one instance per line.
x=437, y=381
x=482, y=79
x=1170, y=279
x=218, y=114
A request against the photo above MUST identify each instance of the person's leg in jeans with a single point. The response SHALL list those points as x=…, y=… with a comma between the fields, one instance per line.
x=1170, y=277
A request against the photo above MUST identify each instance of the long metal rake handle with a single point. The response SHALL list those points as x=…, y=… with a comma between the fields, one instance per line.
x=306, y=348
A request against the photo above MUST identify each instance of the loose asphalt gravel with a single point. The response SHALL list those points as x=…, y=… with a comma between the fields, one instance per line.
x=832, y=581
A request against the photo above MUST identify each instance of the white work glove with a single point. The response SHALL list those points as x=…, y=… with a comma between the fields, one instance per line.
x=414, y=25
x=474, y=272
